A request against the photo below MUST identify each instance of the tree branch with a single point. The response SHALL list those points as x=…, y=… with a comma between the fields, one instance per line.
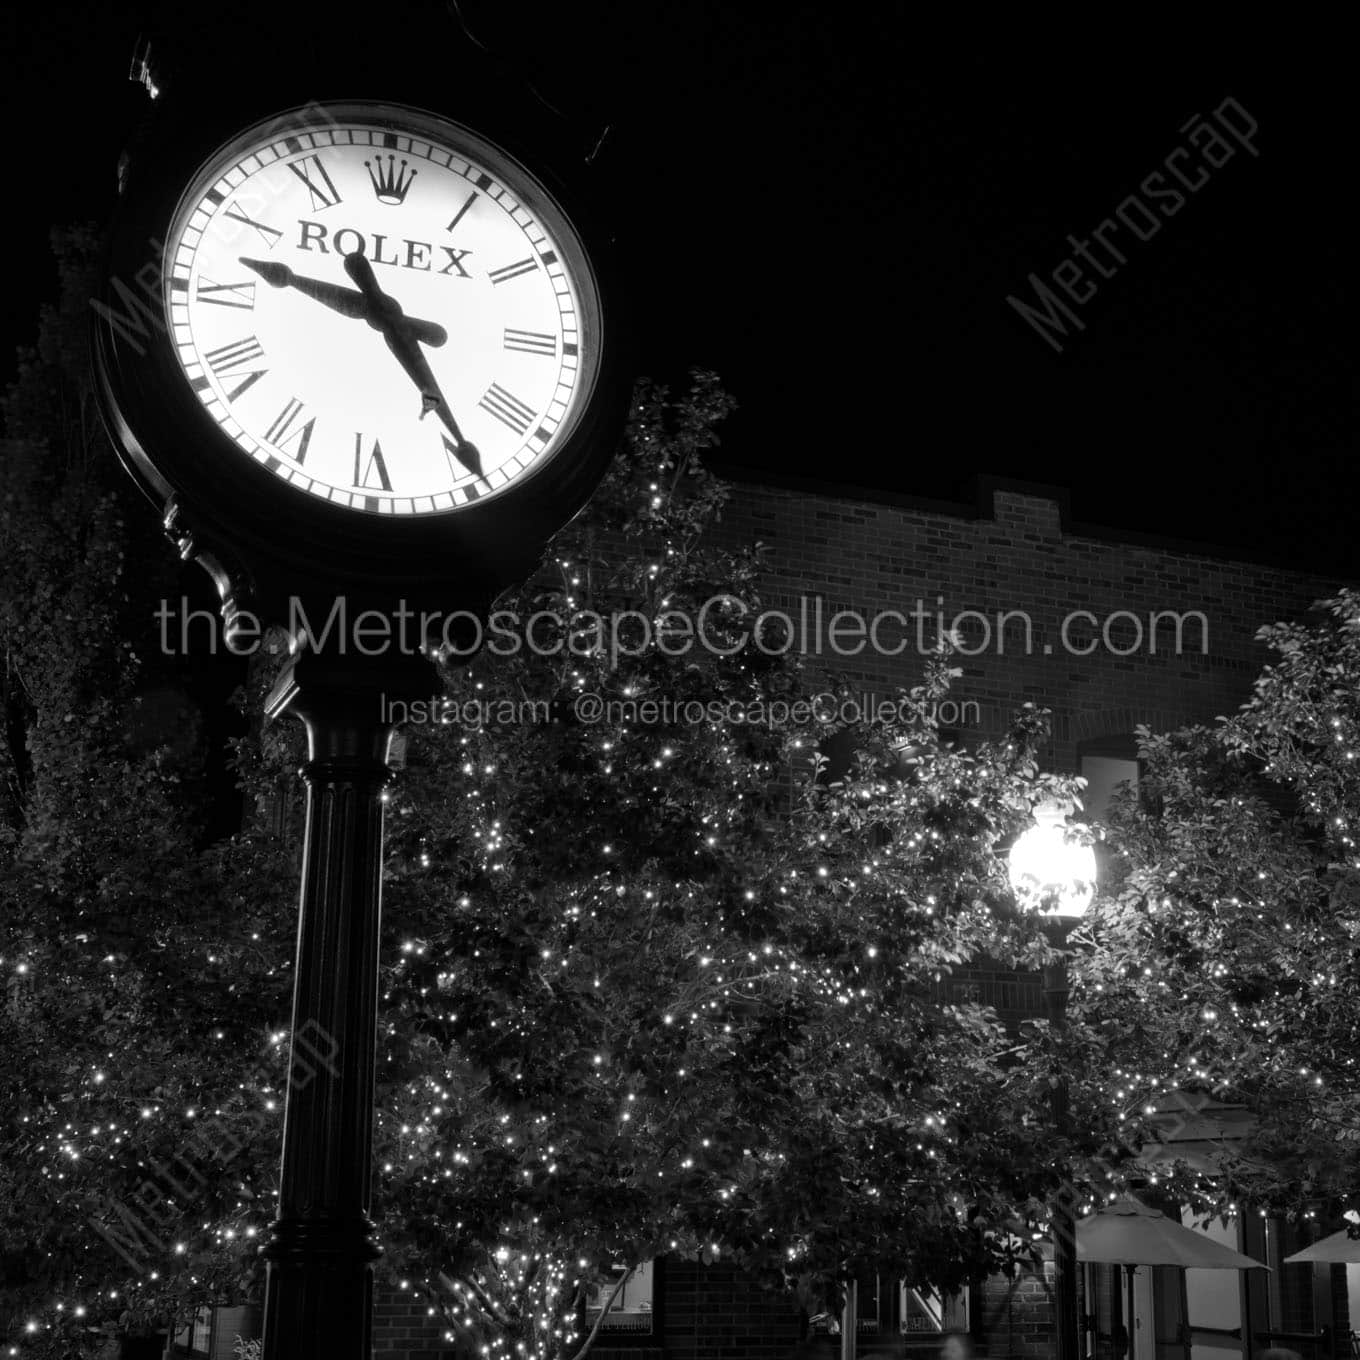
x=488, y=1304
x=530, y=1275
x=608, y=1304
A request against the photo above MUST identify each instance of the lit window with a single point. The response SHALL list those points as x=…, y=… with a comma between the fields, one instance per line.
x=922, y=1310
x=631, y=1310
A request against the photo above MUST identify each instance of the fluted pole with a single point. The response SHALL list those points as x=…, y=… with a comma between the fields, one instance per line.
x=321, y=1248
x=1065, y=1313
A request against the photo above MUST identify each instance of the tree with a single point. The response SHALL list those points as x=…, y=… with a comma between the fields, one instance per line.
x=651, y=983
x=1226, y=958
x=117, y=971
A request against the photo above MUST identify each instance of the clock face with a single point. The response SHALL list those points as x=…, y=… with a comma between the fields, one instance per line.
x=381, y=309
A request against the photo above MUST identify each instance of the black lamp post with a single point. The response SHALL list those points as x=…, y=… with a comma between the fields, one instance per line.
x=1054, y=873
x=1065, y=1312
x=321, y=1249
x=362, y=358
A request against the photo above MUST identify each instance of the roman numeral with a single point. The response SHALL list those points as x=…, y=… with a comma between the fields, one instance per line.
x=226, y=294
x=228, y=357
x=530, y=342
x=459, y=215
x=323, y=191
x=363, y=473
x=509, y=410
x=271, y=235
x=286, y=428
x=511, y=271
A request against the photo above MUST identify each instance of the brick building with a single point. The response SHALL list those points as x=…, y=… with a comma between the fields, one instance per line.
x=1016, y=555
x=1109, y=630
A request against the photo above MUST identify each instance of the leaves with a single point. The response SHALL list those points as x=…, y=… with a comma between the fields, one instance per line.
x=1226, y=956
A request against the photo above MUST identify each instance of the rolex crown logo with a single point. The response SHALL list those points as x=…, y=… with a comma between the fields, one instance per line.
x=390, y=184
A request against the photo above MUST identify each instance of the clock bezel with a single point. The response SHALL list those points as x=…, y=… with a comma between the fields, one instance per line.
x=255, y=525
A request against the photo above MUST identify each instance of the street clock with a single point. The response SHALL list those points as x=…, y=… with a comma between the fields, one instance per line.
x=355, y=346
x=356, y=349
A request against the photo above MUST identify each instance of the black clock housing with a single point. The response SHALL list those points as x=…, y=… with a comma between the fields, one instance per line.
x=266, y=543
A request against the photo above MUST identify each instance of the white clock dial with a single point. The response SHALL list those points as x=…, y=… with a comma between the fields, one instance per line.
x=381, y=309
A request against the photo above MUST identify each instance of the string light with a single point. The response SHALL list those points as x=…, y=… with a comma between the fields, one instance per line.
x=524, y=977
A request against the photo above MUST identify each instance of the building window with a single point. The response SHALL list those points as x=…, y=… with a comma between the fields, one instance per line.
x=196, y=1338
x=632, y=1311
x=870, y=1305
x=1104, y=773
x=1155, y=1294
x=884, y=1306
x=921, y=1311
x=1289, y=1289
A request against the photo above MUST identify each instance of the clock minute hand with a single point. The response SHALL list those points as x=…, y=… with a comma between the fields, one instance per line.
x=404, y=342
x=346, y=301
x=408, y=355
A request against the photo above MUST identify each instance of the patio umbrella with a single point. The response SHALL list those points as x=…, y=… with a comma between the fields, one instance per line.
x=1340, y=1247
x=1129, y=1233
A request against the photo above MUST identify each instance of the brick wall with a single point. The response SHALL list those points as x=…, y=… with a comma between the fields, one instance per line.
x=1340, y=1319
x=713, y=1313
x=871, y=556
x=709, y=1313
x=403, y=1328
x=228, y=1324
x=1016, y=1316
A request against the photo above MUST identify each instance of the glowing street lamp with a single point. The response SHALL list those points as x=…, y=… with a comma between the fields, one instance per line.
x=1050, y=870
x=1054, y=873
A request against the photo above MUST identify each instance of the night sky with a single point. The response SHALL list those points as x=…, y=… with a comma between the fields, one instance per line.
x=830, y=205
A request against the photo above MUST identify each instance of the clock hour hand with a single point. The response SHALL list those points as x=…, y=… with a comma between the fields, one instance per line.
x=404, y=341
x=346, y=301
